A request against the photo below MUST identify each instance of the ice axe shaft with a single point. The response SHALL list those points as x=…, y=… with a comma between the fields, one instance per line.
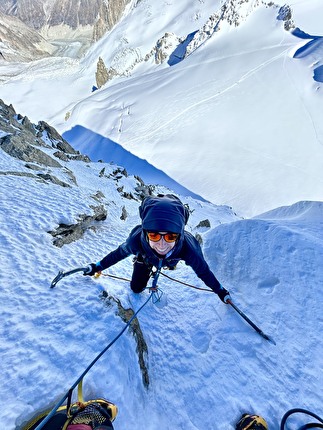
x=253, y=325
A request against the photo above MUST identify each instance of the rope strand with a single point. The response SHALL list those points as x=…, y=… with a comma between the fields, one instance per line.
x=188, y=285
x=166, y=276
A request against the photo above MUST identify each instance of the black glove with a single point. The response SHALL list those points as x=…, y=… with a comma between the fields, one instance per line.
x=224, y=295
x=91, y=269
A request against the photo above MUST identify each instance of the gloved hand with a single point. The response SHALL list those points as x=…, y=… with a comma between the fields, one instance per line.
x=91, y=269
x=224, y=295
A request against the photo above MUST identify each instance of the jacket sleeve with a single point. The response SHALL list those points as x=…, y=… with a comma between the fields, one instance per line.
x=130, y=246
x=193, y=256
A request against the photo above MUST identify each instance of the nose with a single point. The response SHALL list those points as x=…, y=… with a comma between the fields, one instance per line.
x=161, y=242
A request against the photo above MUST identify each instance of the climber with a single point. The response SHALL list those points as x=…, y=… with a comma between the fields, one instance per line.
x=161, y=241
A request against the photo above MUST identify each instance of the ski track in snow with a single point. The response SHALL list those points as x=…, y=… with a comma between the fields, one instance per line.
x=174, y=119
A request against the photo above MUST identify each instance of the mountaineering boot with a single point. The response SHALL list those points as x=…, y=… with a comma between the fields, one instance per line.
x=97, y=414
x=251, y=422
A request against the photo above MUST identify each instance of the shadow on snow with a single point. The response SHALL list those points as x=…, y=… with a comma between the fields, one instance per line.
x=98, y=147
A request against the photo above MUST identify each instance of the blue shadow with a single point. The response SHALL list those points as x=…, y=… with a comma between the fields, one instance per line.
x=178, y=54
x=313, y=47
x=98, y=148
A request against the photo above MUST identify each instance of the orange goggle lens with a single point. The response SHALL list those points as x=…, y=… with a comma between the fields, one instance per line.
x=168, y=237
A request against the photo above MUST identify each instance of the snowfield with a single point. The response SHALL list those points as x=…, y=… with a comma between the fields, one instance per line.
x=201, y=355
x=235, y=129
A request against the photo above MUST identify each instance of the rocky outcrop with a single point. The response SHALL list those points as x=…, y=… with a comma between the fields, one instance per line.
x=23, y=140
x=204, y=224
x=18, y=147
x=40, y=146
x=101, y=75
x=165, y=46
x=285, y=14
x=68, y=233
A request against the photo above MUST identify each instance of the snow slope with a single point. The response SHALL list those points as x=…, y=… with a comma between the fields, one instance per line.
x=206, y=365
x=248, y=110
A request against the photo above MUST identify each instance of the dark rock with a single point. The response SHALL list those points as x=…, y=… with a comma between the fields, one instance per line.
x=142, y=349
x=68, y=233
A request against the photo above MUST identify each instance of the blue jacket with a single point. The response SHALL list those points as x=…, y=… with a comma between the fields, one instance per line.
x=187, y=249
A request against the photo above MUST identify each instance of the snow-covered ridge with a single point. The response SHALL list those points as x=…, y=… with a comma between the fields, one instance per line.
x=172, y=48
x=233, y=13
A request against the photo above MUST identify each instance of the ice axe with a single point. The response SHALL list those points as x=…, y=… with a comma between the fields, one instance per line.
x=253, y=325
x=62, y=275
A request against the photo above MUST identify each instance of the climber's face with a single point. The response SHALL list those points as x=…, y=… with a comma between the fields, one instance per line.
x=162, y=242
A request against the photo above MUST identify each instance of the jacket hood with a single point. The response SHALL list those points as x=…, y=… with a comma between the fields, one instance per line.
x=164, y=213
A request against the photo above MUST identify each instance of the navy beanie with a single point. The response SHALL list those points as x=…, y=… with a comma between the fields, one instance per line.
x=165, y=213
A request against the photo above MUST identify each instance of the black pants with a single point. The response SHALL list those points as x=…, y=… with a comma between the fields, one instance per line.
x=140, y=275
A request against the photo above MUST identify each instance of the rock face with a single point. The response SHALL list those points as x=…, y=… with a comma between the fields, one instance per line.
x=23, y=140
x=108, y=15
x=74, y=13
x=101, y=74
x=37, y=13
x=40, y=146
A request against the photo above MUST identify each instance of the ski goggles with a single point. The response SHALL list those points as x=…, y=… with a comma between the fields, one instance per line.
x=168, y=237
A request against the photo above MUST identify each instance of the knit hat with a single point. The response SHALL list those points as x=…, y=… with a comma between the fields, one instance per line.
x=163, y=213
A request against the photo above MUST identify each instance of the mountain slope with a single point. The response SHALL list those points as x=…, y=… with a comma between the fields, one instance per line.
x=243, y=105
x=241, y=102
x=206, y=365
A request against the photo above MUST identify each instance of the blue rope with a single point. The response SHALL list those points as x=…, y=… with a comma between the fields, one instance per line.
x=304, y=411
x=53, y=411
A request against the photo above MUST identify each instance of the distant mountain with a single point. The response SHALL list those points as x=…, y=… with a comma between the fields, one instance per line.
x=86, y=20
x=20, y=42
